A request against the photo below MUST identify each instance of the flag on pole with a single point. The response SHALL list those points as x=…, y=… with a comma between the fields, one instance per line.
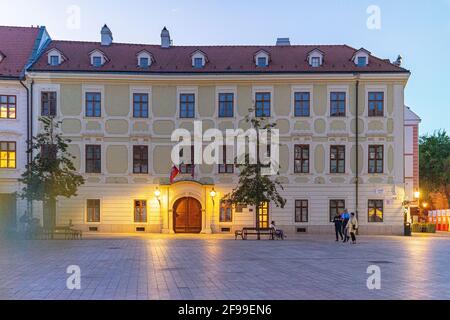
x=174, y=173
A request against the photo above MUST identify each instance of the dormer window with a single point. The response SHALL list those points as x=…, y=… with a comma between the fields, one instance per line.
x=315, y=62
x=361, y=58
x=144, y=59
x=198, y=63
x=98, y=58
x=97, y=61
x=199, y=59
x=362, y=61
x=315, y=58
x=262, y=59
x=55, y=57
x=262, y=62
x=143, y=63
x=54, y=60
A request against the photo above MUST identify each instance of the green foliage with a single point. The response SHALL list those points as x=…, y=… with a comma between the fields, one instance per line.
x=51, y=173
x=253, y=188
x=435, y=163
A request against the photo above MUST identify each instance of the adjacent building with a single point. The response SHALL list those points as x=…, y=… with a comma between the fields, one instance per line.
x=412, y=123
x=340, y=112
x=18, y=48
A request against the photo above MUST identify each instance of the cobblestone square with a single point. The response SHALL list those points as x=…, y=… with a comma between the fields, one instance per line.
x=218, y=267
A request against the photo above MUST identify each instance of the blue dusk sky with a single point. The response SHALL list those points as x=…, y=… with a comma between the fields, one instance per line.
x=418, y=30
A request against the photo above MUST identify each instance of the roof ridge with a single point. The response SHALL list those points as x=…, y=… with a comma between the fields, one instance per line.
x=206, y=46
x=21, y=27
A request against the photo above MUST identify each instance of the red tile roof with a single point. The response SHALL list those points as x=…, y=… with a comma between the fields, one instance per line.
x=222, y=59
x=17, y=44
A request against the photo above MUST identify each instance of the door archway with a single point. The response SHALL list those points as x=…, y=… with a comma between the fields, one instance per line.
x=187, y=216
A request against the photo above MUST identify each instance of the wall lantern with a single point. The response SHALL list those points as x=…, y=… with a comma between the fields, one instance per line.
x=158, y=195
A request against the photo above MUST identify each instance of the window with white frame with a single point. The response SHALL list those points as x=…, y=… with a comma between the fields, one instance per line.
x=93, y=210
x=97, y=61
x=362, y=61
x=361, y=58
x=144, y=62
x=199, y=59
x=262, y=59
x=198, y=63
x=98, y=58
x=315, y=58
x=187, y=105
x=338, y=101
x=315, y=62
x=262, y=62
x=55, y=57
x=54, y=60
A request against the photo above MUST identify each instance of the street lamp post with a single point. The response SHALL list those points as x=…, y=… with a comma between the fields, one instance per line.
x=417, y=197
x=158, y=198
x=213, y=194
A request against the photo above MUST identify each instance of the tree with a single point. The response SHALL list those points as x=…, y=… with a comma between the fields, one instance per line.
x=51, y=173
x=435, y=163
x=254, y=188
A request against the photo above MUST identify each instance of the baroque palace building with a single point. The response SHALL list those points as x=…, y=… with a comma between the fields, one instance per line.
x=340, y=112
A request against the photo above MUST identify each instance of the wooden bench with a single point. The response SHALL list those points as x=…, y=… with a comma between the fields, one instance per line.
x=67, y=232
x=244, y=233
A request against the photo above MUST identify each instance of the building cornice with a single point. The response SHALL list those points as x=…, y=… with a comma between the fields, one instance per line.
x=40, y=75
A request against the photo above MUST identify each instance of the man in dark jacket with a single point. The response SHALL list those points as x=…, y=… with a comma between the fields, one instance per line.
x=338, y=227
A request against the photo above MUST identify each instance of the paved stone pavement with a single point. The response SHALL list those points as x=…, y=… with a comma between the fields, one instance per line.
x=217, y=267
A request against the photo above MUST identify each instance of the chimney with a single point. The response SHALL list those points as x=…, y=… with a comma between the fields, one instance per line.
x=283, y=42
x=107, y=37
x=165, y=38
x=399, y=61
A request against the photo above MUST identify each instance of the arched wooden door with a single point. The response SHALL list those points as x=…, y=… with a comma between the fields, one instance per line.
x=187, y=216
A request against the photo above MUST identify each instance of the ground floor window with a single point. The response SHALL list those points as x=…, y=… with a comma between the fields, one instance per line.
x=7, y=155
x=376, y=210
x=93, y=210
x=336, y=207
x=264, y=215
x=140, y=211
x=226, y=211
x=301, y=210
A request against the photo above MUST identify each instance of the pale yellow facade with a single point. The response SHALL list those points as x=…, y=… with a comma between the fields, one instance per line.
x=116, y=131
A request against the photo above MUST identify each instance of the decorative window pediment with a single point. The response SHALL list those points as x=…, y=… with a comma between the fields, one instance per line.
x=262, y=58
x=315, y=58
x=98, y=58
x=145, y=59
x=55, y=57
x=361, y=57
x=199, y=59
x=2, y=56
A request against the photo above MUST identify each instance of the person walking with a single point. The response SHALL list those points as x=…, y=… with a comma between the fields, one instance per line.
x=345, y=217
x=352, y=227
x=338, y=227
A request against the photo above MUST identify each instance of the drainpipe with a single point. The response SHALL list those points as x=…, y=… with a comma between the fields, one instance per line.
x=29, y=203
x=31, y=115
x=28, y=119
x=357, y=147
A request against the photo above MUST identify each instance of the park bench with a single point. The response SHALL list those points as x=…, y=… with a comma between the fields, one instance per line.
x=62, y=231
x=244, y=233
